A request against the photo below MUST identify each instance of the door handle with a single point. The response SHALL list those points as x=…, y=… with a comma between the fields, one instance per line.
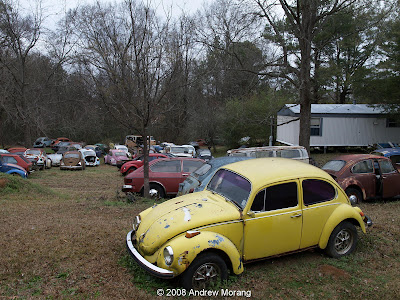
x=296, y=216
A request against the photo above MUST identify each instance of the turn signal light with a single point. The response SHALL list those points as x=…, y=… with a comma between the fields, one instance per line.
x=191, y=233
x=362, y=214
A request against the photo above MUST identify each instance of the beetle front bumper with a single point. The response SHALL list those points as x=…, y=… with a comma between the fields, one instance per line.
x=367, y=221
x=142, y=262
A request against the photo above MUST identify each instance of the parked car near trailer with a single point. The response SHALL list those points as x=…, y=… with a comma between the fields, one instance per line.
x=90, y=157
x=16, y=159
x=42, y=142
x=181, y=150
x=387, y=145
x=132, y=165
x=365, y=176
x=293, y=152
x=12, y=169
x=72, y=160
x=392, y=153
x=242, y=216
x=165, y=175
x=38, y=157
x=114, y=156
x=198, y=180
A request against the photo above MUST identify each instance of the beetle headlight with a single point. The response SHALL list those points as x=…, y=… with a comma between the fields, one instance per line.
x=168, y=255
x=136, y=223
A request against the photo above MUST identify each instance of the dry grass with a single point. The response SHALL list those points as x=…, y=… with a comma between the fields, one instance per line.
x=64, y=237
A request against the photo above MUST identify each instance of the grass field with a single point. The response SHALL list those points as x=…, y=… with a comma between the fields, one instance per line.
x=63, y=236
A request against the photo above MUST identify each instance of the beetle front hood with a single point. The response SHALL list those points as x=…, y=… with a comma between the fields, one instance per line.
x=178, y=215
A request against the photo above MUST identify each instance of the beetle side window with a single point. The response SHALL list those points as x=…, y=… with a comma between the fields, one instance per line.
x=386, y=166
x=364, y=166
x=316, y=191
x=167, y=166
x=276, y=197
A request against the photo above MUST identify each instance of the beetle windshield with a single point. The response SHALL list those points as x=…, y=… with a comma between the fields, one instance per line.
x=71, y=155
x=120, y=153
x=334, y=165
x=231, y=186
x=33, y=151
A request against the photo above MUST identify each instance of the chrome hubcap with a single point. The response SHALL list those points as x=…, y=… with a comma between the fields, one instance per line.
x=206, y=275
x=343, y=241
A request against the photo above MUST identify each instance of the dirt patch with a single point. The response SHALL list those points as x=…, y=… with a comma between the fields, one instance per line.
x=3, y=182
x=327, y=270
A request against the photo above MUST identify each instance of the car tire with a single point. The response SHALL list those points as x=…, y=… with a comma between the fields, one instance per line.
x=159, y=189
x=130, y=170
x=205, y=272
x=343, y=240
x=356, y=193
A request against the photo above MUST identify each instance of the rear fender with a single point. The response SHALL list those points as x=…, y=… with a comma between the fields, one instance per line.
x=341, y=213
x=187, y=249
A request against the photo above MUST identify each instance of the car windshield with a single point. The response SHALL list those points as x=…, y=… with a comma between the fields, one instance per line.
x=119, y=153
x=33, y=151
x=179, y=150
x=71, y=155
x=334, y=165
x=231, y=186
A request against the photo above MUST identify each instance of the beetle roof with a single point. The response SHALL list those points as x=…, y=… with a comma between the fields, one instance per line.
x=261, y=171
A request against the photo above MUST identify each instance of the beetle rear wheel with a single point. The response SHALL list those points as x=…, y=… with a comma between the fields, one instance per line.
x=343, y=240
x=205, y=272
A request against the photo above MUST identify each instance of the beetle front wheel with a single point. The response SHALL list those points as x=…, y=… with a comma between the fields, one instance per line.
x=205, y=272
x=343, y=240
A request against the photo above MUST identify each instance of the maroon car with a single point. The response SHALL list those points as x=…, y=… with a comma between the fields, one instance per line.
x=365, y=176
x=165, y=175
x=16, y=159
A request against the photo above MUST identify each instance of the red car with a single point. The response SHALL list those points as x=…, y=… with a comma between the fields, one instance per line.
x=17, y=150
x=132, y=165
x=16, y=159
x=365, y=176
x=165, y=175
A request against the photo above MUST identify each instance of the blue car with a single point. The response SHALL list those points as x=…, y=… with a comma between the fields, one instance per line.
x=392, y=153
x=12, y=169
x=198, y=180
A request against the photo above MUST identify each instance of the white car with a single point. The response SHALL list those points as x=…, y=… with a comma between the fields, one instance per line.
x=181, y=151
x=91, y=160
x=55, y=159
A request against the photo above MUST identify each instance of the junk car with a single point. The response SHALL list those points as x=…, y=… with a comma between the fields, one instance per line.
x=250, y=210
x=12, y=169
x=165, y=175
x=198, y=179
x=38, y=157
x=130, y=166
x=42, y=142
x=90, y=157
x=72, y=160
x=365, y=176
x=114, y=156
x=16, y=159
x=392, y=153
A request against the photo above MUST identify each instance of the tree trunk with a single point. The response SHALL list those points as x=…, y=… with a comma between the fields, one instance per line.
x=146, y=187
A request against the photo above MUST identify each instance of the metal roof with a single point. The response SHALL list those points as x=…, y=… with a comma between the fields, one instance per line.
x=353, y=109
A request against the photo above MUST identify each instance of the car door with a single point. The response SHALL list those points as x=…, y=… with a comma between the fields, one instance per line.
x=318, y=204
x=390, y=179
x=168, y=173
x=274, y=222
x=363, y=172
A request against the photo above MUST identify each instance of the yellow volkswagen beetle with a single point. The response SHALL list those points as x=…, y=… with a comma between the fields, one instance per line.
x=249, y=210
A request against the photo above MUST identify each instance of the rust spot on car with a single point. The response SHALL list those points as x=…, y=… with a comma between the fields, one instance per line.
x=182, y=259
x=178, y=202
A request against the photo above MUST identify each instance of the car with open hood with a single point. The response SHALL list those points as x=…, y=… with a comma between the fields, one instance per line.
x=90, y=157
x=42, y=142
x=72, y=160
x=250, y=210
x=38, y=157
x=365, y=176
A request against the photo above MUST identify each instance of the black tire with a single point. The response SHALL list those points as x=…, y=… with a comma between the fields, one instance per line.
x=343, y=240
x=205, y=272
x=356, y=193
x=159, y=189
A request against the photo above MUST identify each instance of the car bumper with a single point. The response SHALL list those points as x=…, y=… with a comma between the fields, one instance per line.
x=142, y=262
x=127, y=188
x=71, y=167
x=367, y=221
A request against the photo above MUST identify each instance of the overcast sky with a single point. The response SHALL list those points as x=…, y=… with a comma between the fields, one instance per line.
x=55, y=9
